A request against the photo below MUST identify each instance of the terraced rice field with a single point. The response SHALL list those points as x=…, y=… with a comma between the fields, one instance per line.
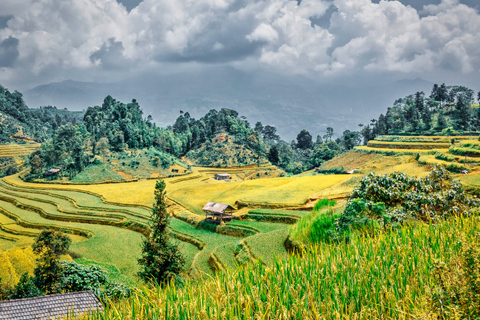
x=409, y=144
x=14, y=150
x=107, y=221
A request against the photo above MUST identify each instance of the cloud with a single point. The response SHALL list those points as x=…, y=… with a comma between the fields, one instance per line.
x=8, y=52
x=110, y=55
x=98, y=37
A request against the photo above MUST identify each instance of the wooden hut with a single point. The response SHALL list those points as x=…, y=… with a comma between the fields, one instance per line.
x=222, y=176
x=215, y=212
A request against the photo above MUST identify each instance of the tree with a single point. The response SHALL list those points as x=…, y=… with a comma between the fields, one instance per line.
x=324, y=152
x=49, y=245
x=273, y=155
x=304, y=140
x=259, y=127
x=270, y=134
x=161, y=260
x=319, y=140
x=441, y=122
x=420, y=101
x=329, y=135
x=103, y=147
x=36, y=164
x=350, y=139
x=463, y=113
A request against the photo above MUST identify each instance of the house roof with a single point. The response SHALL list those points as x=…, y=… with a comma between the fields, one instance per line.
x=215, y=207
x=223, y=175
x=54, y=306
x=54, y=170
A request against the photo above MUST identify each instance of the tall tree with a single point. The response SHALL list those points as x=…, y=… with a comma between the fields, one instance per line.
x=161, y=260
x=462, y=113
x=270, y=134
x=273, y=156
x=329, y=135
x=304, y=140
x=49, y=245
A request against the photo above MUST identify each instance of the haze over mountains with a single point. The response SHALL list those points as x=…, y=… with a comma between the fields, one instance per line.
x=289, y=103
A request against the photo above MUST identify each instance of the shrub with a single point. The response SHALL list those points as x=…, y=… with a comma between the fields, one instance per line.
x=381, y=201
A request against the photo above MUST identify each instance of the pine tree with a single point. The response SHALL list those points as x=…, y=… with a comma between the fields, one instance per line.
x=161, y=260
x=462, y=114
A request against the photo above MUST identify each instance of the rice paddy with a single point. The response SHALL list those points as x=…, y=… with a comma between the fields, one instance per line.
x=14, y=150
x=101, y=216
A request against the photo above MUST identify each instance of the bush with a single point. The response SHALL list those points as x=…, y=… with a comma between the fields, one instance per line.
x=386, y=201
x=333, y=170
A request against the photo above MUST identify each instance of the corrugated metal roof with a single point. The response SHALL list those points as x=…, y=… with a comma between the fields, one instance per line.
x=54, y=306
x=215, y=207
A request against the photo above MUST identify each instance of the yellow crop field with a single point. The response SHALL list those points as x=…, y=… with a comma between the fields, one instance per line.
x=12, y=150
x=398, y=151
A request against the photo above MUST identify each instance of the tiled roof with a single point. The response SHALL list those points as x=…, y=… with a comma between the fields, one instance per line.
x=54, y=306
x=215, y=207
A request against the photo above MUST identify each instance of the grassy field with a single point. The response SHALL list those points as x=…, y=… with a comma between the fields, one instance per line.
x=204, y=250
x=389, y=276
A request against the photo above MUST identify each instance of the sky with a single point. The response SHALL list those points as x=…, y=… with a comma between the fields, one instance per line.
x=355, y=42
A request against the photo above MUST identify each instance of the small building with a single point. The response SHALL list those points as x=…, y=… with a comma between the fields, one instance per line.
x=52, y=172
x=215, y=212
x=222, y=176
x=54, y=306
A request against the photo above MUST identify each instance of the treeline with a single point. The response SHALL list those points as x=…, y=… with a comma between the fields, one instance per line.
x=447, y=110
x=38, y=124
x=116, y=126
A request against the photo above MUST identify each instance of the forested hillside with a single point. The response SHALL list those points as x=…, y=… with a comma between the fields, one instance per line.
x=22, y=122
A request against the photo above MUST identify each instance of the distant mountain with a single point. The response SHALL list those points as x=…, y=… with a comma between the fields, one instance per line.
x=289, y=103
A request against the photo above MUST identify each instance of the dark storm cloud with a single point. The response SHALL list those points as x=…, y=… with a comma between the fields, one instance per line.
x=4, y=21
x=8, y=52
x=221, y=41
x=110, y=55
x=130, y=4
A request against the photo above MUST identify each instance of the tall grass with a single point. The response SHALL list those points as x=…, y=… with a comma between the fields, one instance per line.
x=315, y=226
x=389, y=276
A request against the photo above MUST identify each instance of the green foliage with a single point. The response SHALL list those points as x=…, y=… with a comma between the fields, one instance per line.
x=457, y=293
x=324, y=152
x=381, y=201
x=318, y=225
x=25, y=288
x=161, y=260
x=76, y=277
x=49, y=245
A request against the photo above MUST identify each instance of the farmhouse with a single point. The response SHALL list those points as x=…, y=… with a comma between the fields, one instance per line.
x=222, y=176
x=52, y=172
x=215, y=212
x=54, y=306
